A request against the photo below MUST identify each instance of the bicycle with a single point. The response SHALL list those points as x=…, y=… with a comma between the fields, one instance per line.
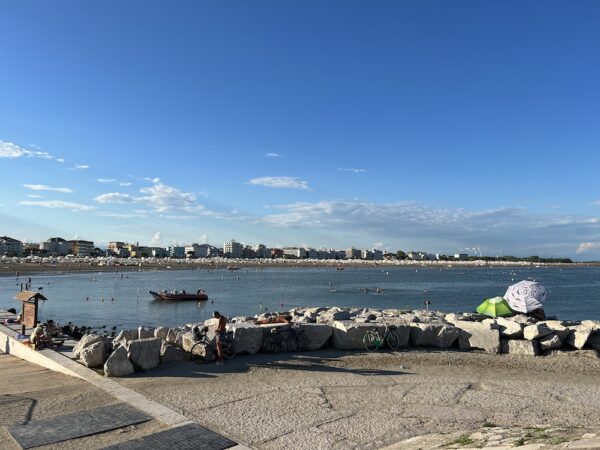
x=205, y=345
x=373, y=341
x=286, y=339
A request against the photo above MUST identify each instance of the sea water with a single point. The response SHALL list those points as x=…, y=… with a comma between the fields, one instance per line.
x=121, y=299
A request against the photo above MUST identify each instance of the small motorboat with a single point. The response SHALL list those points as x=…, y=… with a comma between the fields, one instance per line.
x=233, y=268
x=200, y=295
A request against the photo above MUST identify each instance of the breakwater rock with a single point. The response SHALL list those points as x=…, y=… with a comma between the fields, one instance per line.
x=341, y=328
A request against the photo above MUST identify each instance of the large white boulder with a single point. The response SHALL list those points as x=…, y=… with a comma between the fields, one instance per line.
x=124, y=337
x=94, y=355
x=161, y=333
x=558, y=328
x=145, y=332
x=348, y=335
x=478, y=335
x=117, y=364
x=579, y=336
x=333, y=315
x=522, y=347
x=187, y=341
x=144, y=353
x=509, y=328
x=172, y=336
x=433, y=335
x=84, y=342
x=550, y=342
x=170, y=353
x=317, y=334
x=536, y=331
x=248, y=337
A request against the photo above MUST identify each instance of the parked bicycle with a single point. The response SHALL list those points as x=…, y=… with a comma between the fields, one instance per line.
x=373, y=341
x=205, y=345
x=286, y=339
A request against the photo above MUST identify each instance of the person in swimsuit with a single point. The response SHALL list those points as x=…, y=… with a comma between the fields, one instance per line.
x=220, y=333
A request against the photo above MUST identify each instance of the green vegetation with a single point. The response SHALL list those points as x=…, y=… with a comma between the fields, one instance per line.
x=519, y=442
x=487, y=424
x=462, y=440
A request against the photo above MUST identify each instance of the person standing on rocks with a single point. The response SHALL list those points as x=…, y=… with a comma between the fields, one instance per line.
x=220, y=334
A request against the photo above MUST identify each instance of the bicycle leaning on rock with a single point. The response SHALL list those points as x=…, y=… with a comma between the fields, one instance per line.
x=286, y=339
x=373, y=341
x=205, y=347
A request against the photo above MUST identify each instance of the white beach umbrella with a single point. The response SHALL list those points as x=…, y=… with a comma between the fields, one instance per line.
x=525, y=296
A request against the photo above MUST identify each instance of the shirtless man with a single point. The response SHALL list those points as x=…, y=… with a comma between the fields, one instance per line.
x=220, y=335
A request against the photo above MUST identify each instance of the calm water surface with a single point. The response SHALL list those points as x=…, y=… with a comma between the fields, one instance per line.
x=574, y=292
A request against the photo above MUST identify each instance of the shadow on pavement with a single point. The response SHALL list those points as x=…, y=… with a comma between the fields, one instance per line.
x=316, y=361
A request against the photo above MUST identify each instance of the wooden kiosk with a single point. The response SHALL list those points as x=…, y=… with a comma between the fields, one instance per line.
x=29, y=310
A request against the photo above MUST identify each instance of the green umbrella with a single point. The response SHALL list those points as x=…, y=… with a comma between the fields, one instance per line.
x=495, y=307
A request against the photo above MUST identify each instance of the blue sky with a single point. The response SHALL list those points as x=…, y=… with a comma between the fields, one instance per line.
x=431, y=125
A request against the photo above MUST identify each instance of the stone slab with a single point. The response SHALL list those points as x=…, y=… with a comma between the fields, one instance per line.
x=187, y=437
x=71, y=426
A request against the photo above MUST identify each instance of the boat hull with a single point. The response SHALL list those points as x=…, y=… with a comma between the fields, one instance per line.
x=164, y=296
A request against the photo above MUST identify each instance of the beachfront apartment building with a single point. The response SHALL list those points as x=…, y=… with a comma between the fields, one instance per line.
x=294, y=252
x=353, y=253
x=197, y=250
x=461, y=256
x=55, y=246
x=176, y=251
x=10, y=246
x=233, y=249
x=82, y=248
x=262, y=251
x=118, y=248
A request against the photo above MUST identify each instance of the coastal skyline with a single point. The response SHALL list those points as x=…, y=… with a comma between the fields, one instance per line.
x=397, y=126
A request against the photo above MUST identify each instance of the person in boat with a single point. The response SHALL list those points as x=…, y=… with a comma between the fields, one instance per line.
x=220, y=334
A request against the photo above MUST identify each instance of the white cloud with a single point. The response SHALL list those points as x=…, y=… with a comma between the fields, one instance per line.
x=80, y=167
x=587, y=246
x=152, y=180
x=125, y=183
x=273, y=155
x=106, y=180
x=351, y=169
x=10, y=150
x=60, y=160
x=43, y=187
x=118, y=215
x=114, y=197
x=34, y=196
x=159, y=197
x=280, y=182
x=58, y=204
x=157, y=238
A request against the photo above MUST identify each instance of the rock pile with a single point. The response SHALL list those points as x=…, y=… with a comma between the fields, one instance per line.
x=343, y=329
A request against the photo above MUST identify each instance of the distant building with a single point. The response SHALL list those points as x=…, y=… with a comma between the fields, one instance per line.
x=197, y=250
x=262, y=251
x=377, y=254
x=419, y=256
x=366, y=254
x=56, y=246
x=312, y=253
x=82, y=248
x=276, y=253
x=176, y=252
x=119, y=249
x=215, y=251
x=248, y=252
x=10, y=246
x=461, y=256
x=353, y=253
x=159, y=252
x=294, y=252
x=233, y=249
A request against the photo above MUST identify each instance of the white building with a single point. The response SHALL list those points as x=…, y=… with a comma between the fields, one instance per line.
x=10, y=246
x=233, y=249
x=81, y=248
x=294, y=252
x=197, y=251
x=56, y=246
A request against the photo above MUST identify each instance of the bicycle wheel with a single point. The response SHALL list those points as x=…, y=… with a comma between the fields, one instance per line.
x=303, y=343
x=392, y=339
x=229, y=350
x=198, y=352
x=371, y=341
x=291, y=344
x=270, y=345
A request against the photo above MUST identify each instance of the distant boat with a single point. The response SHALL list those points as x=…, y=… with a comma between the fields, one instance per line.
x=233, y=268
x=339, y=268
x=179, y=296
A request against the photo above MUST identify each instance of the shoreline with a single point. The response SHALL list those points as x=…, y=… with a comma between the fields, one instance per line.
x=88, y=265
